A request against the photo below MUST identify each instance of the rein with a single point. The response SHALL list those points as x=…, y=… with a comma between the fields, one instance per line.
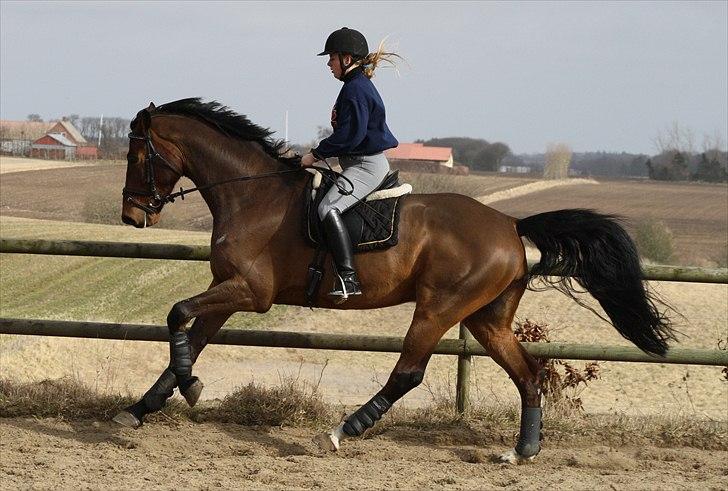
x=158, y=201
x=181, y=193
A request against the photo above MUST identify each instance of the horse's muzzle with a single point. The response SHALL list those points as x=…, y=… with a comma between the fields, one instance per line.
x=130, y=221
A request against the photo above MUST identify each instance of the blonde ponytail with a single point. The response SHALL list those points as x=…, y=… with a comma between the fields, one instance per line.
x=370, y=62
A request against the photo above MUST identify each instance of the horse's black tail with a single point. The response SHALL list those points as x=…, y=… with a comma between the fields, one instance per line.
x=597, y=252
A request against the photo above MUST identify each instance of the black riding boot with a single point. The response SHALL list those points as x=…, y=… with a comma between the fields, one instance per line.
x=337, y=237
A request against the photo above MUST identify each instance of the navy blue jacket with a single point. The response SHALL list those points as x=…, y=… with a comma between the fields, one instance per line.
x=358, y=120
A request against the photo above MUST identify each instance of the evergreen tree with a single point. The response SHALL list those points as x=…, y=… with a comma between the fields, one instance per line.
x=709, y=170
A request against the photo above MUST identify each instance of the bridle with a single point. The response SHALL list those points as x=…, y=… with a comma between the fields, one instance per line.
x=158, y=201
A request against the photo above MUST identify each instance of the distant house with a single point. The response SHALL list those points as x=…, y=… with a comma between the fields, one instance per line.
x=53, y=146
x=515, y=169
x=84, y=150
x=416, y=157
x=17, y=136
x=521, y=164
x=29, y=138
x=419, y=153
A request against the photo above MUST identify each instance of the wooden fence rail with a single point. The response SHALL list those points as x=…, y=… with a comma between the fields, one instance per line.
x=202, y=253
x=348, y=342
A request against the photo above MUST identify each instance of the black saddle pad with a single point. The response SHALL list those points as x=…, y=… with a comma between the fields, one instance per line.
x=372, y=225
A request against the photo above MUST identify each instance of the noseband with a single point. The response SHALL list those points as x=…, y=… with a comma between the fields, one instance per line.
x=158, y=201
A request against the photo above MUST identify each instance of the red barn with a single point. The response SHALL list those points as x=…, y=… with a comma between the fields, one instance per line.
x=62, y=141
x=84, y=150
x=416, y=157
x=53, y=146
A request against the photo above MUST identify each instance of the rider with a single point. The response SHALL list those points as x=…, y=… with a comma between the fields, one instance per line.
x=359, y=139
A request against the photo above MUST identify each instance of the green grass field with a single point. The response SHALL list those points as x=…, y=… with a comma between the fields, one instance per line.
x=101, y=289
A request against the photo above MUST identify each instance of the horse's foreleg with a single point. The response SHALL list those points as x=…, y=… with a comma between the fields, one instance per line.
x=156, y=397
x=419, y=343
x=220, y=300
x=491, y=326
x=202, y=330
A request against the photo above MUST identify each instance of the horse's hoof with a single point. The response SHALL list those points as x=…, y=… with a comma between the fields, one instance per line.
x=513, y=457
x=125, y=418
x=193, y=391
x=327, y=442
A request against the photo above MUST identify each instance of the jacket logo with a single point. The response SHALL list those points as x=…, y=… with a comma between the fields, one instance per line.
x=333, y=118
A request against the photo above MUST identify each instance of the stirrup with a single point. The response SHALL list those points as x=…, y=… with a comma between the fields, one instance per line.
x=345, y=287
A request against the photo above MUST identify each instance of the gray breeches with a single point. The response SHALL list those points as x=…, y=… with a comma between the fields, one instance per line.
x=366, y=172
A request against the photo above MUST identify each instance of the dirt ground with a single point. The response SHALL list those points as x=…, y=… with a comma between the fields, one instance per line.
x=694, y=212
x=41, y=454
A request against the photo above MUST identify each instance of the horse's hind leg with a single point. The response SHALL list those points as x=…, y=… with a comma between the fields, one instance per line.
x=204, y=328
x=426, y=330
x=491, y=326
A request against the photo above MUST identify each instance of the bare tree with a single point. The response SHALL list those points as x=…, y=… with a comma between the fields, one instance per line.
x=89, y=127
x=676, y=153
x=675, y=138
x=713, y=146
x=558, y=160
x=72, y=118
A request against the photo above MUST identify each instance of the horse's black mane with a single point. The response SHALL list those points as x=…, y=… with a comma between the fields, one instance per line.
x=227, y=122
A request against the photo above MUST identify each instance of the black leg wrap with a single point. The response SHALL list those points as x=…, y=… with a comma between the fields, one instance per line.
x=365, y=417
x=156, y=397
x=529, y=439
x=404, y=382
x=180, y=354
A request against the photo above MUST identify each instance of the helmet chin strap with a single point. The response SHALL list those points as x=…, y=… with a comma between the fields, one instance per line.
x=345, y=68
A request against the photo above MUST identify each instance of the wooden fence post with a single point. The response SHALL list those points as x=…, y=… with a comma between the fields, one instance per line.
x=462, y=389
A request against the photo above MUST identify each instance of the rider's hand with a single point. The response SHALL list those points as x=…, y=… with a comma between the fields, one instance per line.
x=308, y=160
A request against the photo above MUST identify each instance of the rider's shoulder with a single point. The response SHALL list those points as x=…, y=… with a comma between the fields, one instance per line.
x=359, y=86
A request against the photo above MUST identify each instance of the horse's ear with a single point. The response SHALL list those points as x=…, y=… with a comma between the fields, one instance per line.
x=151, y=106
x=143, y=119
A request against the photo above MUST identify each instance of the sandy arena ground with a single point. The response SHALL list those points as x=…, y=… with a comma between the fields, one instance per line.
x=41, y=454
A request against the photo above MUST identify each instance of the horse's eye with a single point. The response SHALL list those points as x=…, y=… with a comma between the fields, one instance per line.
x=132, y=159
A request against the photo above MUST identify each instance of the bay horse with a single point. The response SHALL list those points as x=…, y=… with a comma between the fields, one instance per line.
x=457, y=259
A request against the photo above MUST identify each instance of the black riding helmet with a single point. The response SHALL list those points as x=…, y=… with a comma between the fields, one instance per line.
x=346, y=41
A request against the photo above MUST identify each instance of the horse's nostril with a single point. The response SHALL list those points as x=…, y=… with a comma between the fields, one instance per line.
x=128, y=220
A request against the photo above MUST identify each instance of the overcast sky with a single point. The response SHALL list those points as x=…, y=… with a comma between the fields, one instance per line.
x=599, y=76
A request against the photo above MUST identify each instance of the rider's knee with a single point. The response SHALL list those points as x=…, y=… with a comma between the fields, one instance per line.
x=324, y=209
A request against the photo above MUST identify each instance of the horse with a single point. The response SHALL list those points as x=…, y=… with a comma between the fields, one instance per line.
x=457, y=259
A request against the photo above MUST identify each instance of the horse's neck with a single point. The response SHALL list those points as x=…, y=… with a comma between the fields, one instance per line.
x=246, y=201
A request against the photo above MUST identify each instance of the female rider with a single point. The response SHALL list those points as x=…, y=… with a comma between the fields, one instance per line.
x=359, y=139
